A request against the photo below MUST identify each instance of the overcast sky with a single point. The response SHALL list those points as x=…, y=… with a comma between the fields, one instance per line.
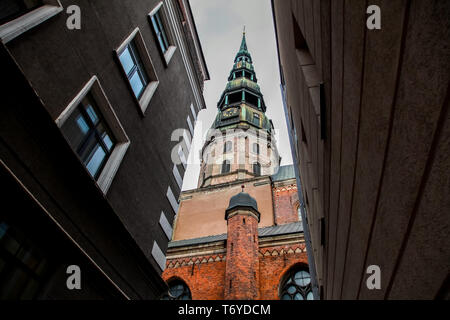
x=220, y=24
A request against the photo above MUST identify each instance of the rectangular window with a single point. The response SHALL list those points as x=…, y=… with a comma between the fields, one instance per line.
x=256, y=119
x=92, y=129
x=138, y=68
x=226, y=166
x=132, y=65
x=160, y=24
x=89, y=135
x=160, y=31
x=11, y=9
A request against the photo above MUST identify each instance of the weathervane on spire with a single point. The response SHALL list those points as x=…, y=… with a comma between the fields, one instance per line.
x=244, y=30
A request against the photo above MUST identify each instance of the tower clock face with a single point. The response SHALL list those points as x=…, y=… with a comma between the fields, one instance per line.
x=230, y=112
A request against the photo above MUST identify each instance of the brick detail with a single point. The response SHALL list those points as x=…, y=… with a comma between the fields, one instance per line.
x=285, y=204
x=207, y=280
x=242, y=264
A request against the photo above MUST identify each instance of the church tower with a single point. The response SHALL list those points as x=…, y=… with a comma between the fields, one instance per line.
x=240, y=144
x=238, y=235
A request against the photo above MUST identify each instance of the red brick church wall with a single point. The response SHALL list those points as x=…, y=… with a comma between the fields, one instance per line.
x=205, y=275
x=285, y=204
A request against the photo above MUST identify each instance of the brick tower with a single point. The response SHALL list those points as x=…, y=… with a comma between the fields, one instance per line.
x=258, y=250
x=242, y=265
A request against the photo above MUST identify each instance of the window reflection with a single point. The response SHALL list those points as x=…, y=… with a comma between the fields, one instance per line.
x=89, y=136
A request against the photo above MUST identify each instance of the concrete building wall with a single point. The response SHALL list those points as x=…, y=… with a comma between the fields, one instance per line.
x=371, y=144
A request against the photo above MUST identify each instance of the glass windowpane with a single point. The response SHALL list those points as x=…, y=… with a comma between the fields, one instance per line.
x=96, y=160
x=127, y=61
x=136, y=84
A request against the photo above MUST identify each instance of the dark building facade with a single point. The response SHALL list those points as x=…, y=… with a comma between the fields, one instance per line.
x=368, y=115
x=90, y=170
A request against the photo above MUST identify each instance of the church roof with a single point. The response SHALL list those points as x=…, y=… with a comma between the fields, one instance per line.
x=242, y=199
x=289, y=228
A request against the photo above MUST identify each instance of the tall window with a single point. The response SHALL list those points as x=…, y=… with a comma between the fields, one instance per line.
x=23, y=267
x=160, y=31
x=227, y=146
x=297, y=285
x=89, y=135
x=11, y=9
x=256, y=119
x=257, y=168
x=134, y=69
x=256, y=148
x=226, y=166
x=178, y=290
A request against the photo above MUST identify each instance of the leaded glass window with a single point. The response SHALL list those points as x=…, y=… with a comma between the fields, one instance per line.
x=297, y=286
x=178, y=290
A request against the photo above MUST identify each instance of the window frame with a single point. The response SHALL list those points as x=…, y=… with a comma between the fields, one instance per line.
x=225, y=148
x=144, y=99
x=122, y=143
x=226, y=167
x=167, y=31
x=257, y=148
x=256, y=165
x=304, y=291
x=14, y=28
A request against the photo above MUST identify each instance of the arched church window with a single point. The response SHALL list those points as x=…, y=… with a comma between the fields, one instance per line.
x=297, y=285
x=227, y=146
x=257, y=168
x=178, y=290
x=226, y=166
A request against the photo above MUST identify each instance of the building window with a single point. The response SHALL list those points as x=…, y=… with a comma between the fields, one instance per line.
x=178, y=290
x=93, y=131
x=257, y=168
x=226, y=166
x=297, y=285
x=256, y=148
x=256, y=119
x=23, y=267
x=19, y=16
x=138, y=68
x=160, y=24
x=227, y=146
x=132, y=65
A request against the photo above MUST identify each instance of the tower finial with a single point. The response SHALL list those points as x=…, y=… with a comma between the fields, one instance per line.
x=244, y=30
x=243, y=186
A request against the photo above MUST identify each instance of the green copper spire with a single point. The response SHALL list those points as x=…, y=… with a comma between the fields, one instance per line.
x=243, y=49
x=242, y=103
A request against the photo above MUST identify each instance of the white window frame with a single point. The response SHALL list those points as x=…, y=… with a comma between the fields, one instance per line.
x=146, y=60
x=167, y=28
x=191, y=127
x=165, y=225
x=94, y=87
x=27, y=21
x=177, y=176
x=172, y=200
